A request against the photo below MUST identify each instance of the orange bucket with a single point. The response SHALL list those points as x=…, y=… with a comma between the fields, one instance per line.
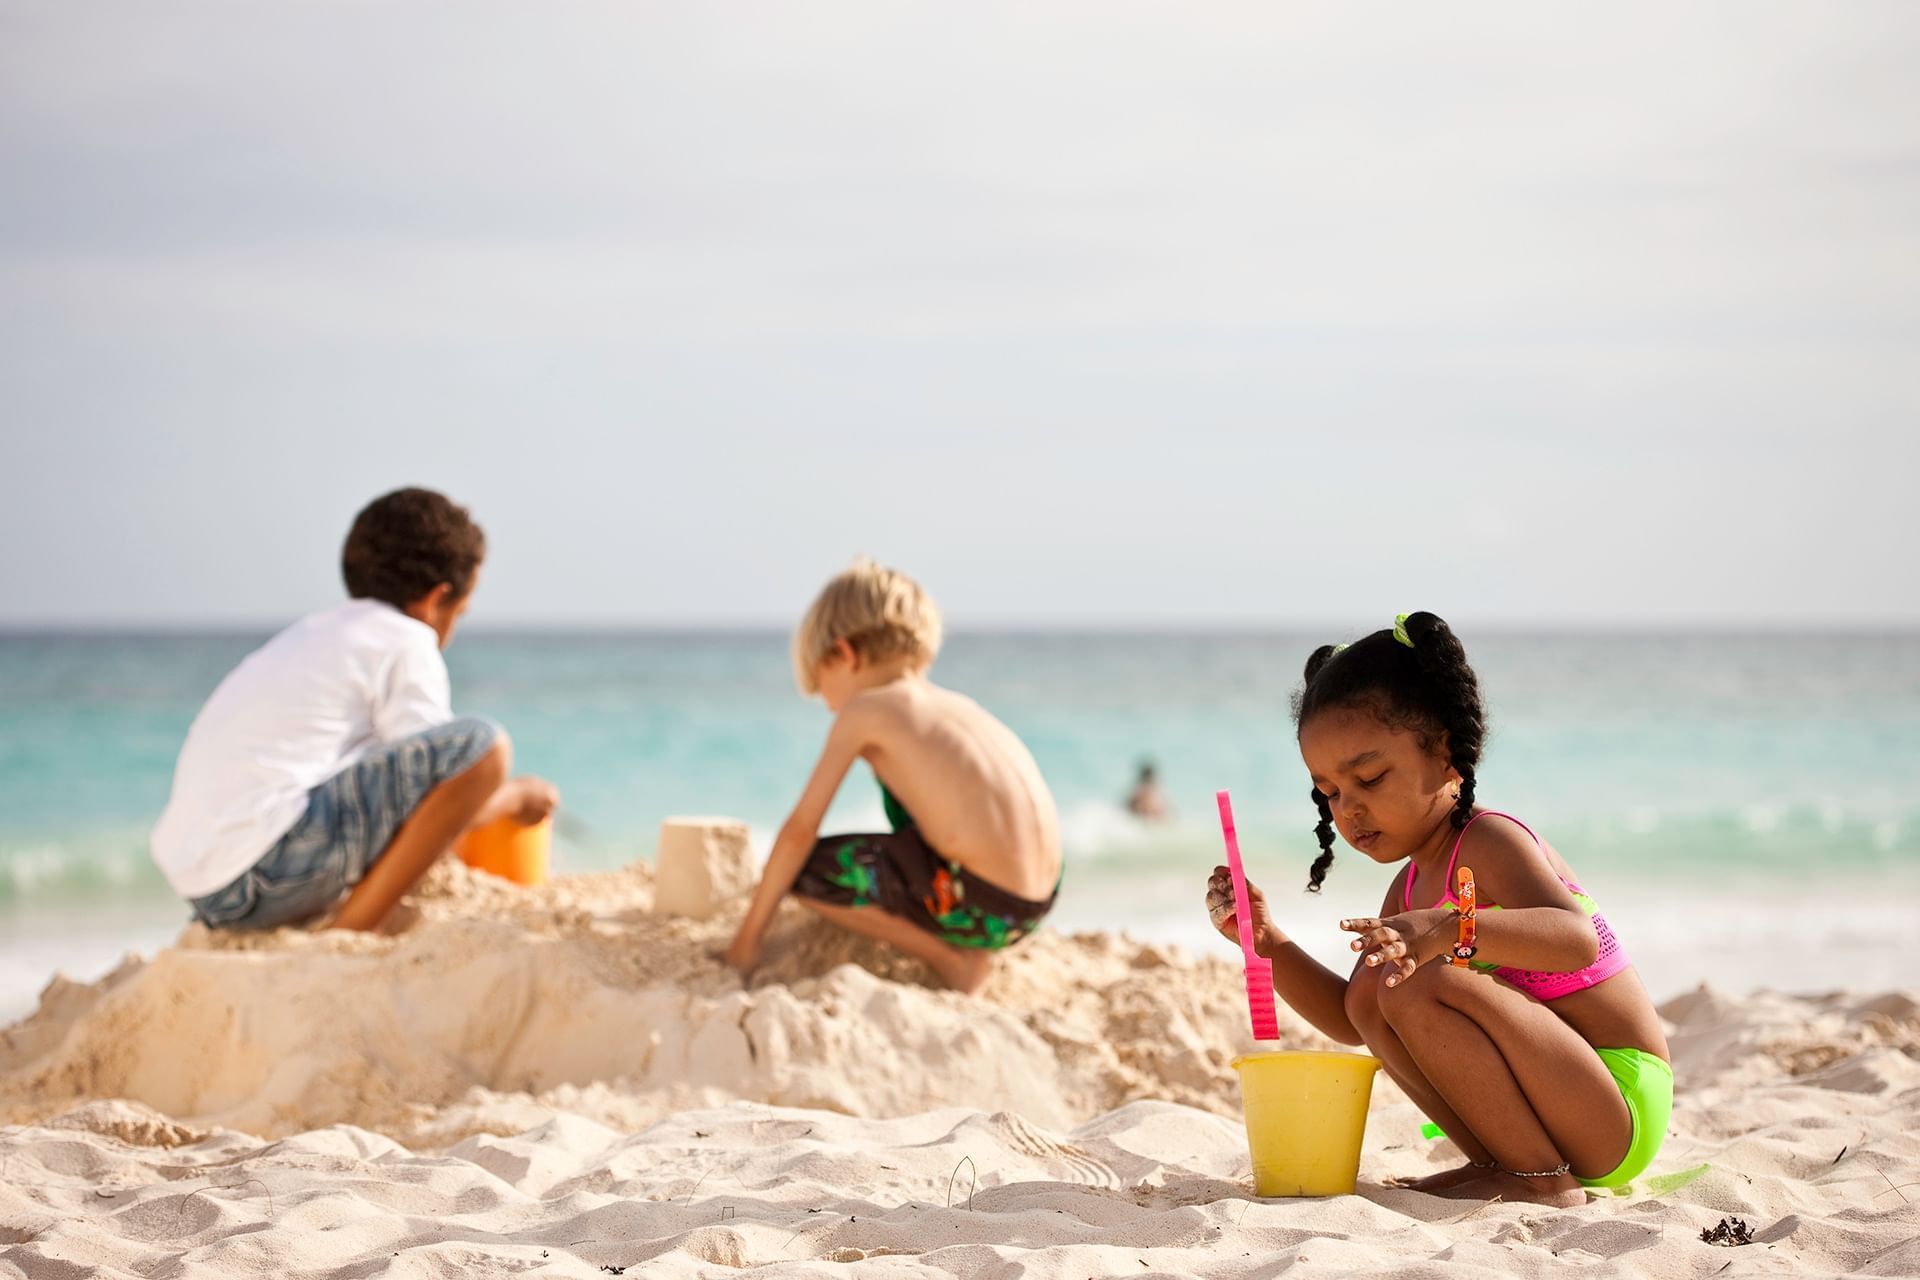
x=509, y=849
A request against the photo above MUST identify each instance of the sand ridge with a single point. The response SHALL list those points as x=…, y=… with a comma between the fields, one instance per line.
x=494, y=1000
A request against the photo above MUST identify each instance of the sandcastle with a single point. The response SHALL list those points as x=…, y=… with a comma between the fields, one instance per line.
x=702, y=864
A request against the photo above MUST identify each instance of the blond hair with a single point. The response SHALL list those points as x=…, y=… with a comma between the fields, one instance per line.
x=881, y=612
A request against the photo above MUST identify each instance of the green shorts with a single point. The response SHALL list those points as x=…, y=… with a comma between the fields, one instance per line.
x=1646, y=1082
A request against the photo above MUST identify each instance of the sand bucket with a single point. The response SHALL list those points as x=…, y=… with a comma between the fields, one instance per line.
x=1306, y=1113
x=509, y=849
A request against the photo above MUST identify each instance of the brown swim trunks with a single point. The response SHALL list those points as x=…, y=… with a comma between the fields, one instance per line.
x=905, y=877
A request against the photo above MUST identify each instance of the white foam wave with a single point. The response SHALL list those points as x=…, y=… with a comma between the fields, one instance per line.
x=1090, y=829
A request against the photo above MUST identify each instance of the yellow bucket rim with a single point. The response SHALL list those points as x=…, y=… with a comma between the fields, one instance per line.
x=1318, y=1055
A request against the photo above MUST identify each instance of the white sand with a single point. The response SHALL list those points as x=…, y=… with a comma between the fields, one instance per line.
x=498, y=1005
x=561, y=1082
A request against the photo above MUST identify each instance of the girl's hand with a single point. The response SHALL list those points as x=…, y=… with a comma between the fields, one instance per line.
x=1401, y=943
x=1266, y=935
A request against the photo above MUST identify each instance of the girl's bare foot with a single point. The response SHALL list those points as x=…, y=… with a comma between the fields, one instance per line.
x=1557, y=1193
x=1433, y=1183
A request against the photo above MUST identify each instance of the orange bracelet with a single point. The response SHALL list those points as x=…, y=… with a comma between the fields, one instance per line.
x=1464, y=949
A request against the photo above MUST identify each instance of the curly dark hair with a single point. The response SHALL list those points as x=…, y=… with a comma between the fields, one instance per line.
x=1427, y=686
x=406, y=543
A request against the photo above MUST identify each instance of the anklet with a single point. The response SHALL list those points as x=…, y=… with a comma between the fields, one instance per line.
x=1483, y=1164
x=1543, y=1173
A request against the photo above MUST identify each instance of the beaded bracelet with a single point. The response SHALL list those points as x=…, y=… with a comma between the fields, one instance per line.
x=1463, y=948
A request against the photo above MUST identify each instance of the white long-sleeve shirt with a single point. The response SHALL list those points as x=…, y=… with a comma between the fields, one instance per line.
x=295, y=712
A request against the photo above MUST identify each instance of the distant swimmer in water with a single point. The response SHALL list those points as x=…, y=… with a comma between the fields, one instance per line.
x=1147, y=800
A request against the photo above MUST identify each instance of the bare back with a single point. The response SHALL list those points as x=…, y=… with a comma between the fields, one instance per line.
x=971, y=785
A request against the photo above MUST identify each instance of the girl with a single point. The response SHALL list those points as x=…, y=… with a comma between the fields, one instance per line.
x=1535, y=1045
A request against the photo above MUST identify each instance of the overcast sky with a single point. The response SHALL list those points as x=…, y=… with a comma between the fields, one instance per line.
x=1085, y=314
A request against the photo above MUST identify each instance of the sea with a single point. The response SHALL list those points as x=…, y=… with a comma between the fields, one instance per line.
x=1745, y=806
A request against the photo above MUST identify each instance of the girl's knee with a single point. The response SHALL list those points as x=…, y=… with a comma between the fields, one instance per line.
x=1412, y=996
x=1362, y=1004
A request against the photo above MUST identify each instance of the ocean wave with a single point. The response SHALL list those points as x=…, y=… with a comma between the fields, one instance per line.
x=1783, y=840
x=100, y=865
x=1773, y=842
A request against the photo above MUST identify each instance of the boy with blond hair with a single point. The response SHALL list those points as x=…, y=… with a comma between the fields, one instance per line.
x=972, y=864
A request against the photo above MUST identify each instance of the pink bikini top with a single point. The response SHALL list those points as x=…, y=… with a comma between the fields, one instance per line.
x=1538, y=983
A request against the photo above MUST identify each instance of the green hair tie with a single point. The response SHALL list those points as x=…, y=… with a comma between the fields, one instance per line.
x=1400, y=630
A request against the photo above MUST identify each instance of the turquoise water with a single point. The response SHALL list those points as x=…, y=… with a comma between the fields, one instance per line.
x=1688, y=773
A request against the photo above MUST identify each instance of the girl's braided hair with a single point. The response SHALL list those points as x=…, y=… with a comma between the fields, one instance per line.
x=1413, y=675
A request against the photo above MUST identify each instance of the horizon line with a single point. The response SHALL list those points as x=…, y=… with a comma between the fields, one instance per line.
x=1091, y=627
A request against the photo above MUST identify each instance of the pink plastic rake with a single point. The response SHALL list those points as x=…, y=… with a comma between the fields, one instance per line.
x=1266, y=1025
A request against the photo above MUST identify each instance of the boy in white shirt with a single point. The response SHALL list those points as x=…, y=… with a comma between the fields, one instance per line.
x=330, y=761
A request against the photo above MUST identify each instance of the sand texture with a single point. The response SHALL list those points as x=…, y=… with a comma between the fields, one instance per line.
x=498, y=1005
x=562, y=1082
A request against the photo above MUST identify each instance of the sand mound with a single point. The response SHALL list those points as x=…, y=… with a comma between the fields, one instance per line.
x=1812, y=1163
x=498, y=1006
x=1727, y=1042
x=489, y=1091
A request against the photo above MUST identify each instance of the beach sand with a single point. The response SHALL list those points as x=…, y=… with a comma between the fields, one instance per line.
x=558, y=1081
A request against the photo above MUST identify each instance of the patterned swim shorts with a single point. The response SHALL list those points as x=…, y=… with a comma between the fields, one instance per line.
x=899, y=873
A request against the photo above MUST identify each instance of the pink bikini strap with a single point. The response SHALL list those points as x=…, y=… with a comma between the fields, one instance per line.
x=1446, y=895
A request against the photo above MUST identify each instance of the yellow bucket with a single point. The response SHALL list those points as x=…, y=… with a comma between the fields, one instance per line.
x=513, y=850
x=1306, y=1113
